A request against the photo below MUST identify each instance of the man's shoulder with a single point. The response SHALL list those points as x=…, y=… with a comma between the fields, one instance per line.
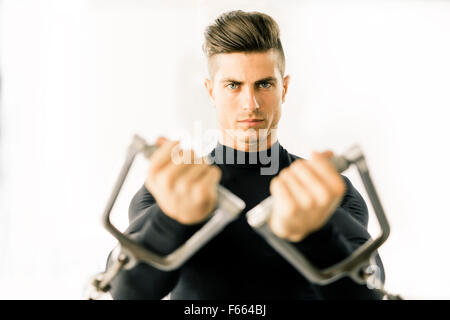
x=291, y=157
x=294, y=157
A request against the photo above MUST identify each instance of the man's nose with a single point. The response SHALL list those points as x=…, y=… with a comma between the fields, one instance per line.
x=249, y=101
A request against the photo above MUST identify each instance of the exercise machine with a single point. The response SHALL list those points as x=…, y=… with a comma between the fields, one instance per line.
x=360, y=266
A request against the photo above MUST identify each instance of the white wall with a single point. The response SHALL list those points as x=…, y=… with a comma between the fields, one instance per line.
x=79, y=77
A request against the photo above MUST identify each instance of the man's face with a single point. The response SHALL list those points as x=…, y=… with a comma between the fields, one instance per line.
x=247, y=90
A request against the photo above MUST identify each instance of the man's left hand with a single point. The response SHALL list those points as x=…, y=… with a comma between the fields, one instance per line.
x=305, y=195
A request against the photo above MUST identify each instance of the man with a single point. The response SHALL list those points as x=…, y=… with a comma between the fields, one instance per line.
x=315, y=208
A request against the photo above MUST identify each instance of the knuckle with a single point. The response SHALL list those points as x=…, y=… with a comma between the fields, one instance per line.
x=290, y=208
x=299, y=163
x=291, y=214
x=198, y=193
x=212, y=171
x=299, y=169
x=202, y=168
x=204, y=190
x=325, y=199
x=309, y=203
x=182, y=186
x=284, y=174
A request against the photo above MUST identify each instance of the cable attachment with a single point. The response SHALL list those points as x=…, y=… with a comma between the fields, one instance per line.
x=100, y=283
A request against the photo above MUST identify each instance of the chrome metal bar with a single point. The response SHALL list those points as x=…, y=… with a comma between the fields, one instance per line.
x=228, y=208
x=354, y=266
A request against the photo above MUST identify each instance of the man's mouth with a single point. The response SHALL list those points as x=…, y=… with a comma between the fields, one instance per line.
x=251, y=120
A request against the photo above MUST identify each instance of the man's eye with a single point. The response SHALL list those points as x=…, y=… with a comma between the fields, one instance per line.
x=265, y=85
x=232, y=86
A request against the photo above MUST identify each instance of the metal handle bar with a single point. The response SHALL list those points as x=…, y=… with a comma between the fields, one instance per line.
x=227, y=209
x=357, y=264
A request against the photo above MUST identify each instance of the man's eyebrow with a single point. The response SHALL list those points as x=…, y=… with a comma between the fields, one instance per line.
x=230, y=80
x=266, y=79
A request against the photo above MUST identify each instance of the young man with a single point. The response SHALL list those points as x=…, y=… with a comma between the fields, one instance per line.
x=315, y=208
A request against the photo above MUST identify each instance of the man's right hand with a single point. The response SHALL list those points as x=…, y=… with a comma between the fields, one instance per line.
x=186, y=192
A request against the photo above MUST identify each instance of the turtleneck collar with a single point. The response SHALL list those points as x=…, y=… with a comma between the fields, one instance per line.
x=222, y=154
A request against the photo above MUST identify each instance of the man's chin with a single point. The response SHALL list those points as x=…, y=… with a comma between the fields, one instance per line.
x=247, y=136
x=253, y=137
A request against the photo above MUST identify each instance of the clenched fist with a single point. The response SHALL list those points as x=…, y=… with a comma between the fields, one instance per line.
x=305, y=195
x=184, y=190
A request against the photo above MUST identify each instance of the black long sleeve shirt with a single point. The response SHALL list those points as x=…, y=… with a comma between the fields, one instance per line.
x=238, y=263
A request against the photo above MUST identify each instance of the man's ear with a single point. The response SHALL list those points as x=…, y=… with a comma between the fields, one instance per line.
x=209, y=88
x=286, y=81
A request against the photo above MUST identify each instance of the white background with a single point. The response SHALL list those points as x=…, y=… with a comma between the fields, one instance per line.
x=79, y=77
